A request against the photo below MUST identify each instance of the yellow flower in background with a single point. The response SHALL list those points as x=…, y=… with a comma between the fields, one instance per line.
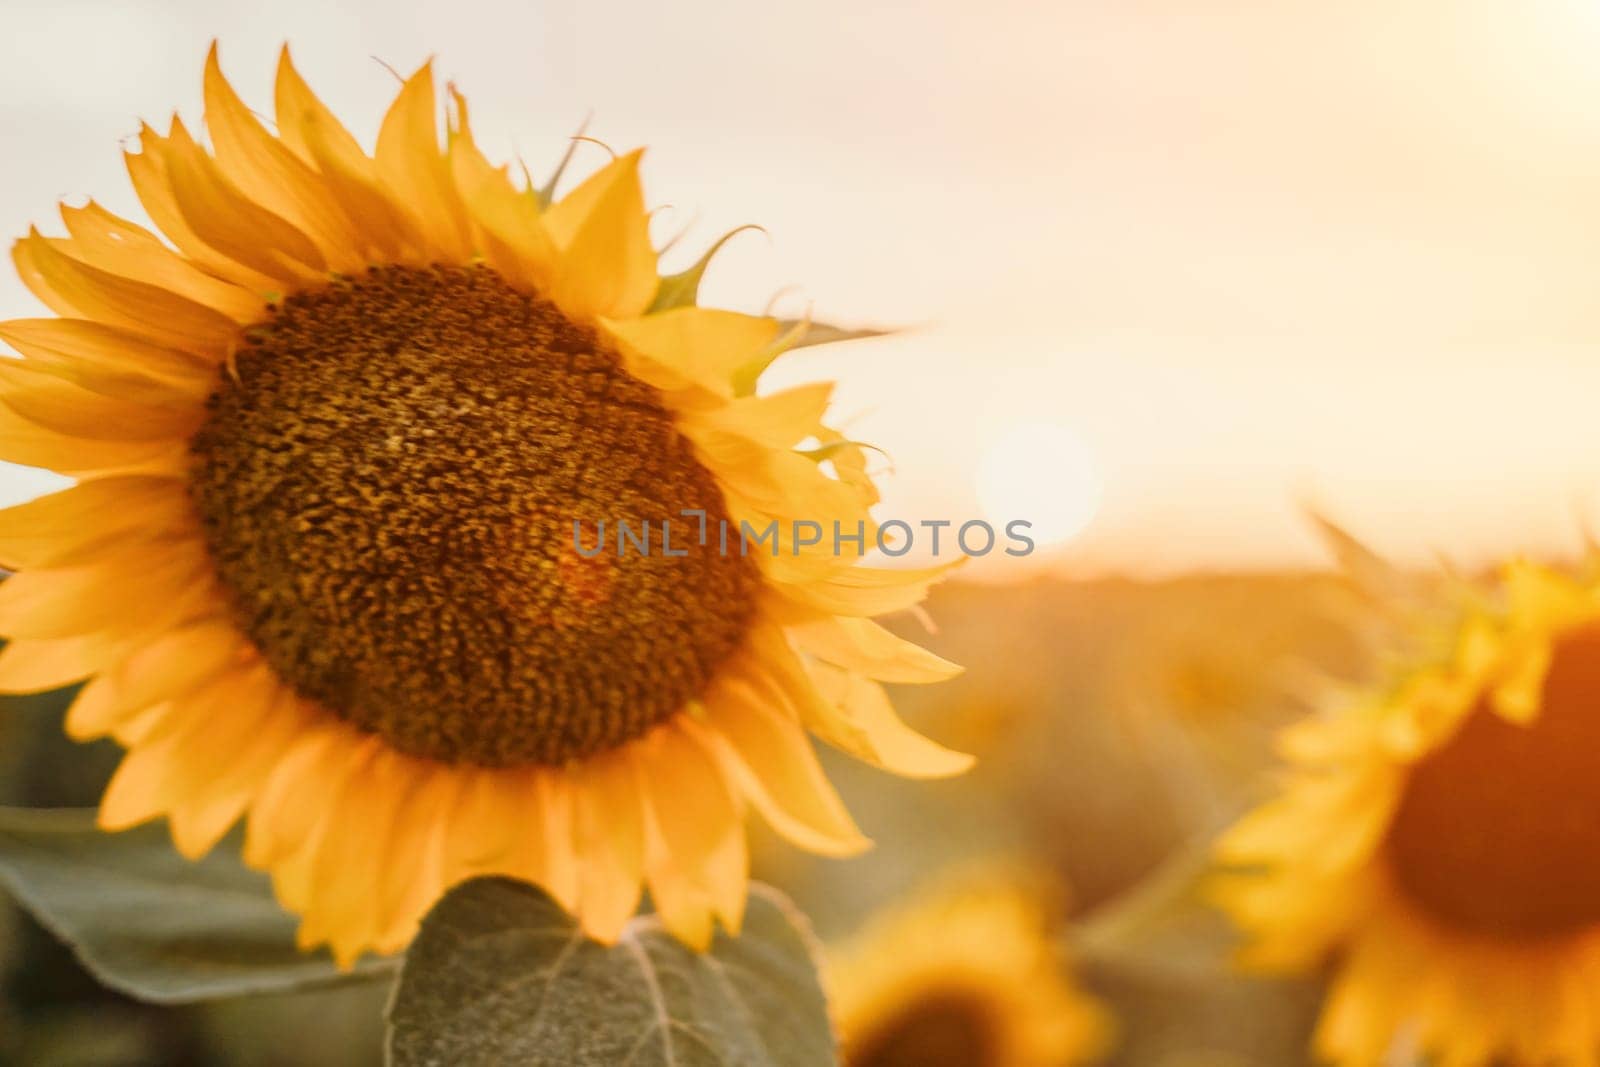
x=1441, y=840
x=332, y=435
x=967, y=974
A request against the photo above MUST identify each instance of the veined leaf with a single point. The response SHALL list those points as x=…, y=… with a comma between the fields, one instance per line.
x=500, y=974
x=151, y=924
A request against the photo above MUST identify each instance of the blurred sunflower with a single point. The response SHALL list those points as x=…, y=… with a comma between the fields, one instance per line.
x=1441, y=837
x=332, y=442
x=966, y=975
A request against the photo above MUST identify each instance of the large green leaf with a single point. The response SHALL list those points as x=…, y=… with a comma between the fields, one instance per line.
x=500, y=975
x=151, y=924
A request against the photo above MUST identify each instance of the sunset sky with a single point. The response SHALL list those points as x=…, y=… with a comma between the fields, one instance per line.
x=1229, y=255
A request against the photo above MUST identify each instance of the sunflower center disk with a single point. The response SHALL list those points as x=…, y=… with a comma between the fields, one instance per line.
x=1499, y=830
x=953, y=1029
x=388, y=487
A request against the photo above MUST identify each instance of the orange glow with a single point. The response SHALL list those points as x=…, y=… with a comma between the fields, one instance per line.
x=1042, y=473
x=1248, y=252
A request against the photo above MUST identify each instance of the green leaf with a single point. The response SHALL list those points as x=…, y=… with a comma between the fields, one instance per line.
x=500, y=974
x=545, y=195
x=829, y=450
x=151, y=924
x=683, y=289
x=792, y=334
x=821, y=333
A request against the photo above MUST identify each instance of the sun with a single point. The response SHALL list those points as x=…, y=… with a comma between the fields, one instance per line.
x=1043, y=473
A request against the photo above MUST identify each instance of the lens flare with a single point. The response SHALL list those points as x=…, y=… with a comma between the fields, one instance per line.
x=1044, y=473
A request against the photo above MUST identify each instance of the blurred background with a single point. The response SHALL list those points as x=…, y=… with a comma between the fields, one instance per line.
x=1215, y=254
x=1172, y=269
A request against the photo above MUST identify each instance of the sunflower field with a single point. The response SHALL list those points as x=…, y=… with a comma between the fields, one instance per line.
x=447, y=623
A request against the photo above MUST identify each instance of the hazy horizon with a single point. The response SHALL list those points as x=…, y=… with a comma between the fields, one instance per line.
x=1249, y=254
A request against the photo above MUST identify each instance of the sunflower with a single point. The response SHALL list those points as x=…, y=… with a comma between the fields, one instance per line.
x=1439, y=839
x=964, y=975
x=335, y=430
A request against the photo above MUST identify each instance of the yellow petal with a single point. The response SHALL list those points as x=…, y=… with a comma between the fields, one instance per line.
x=769, y=755
x=484, y=828
x=704, y=345
x=227, y=220
x=781, y=420
x=849, y=461
x=350, y=818
x=293, y=798
x=553, y=824
x=118, y=246
x=346, y=909
x=689, y=797
x=1543, y=596
x=864, y=646
x=566, y=216
x=416, y=873
x=155, y=778
x=608, y=267
x=1518, y=693
x=416, y=172
x=137, y=791
x=727, y=879
x=68, y=526
x=26, y=442
x=147, y=169
x=609, y=839
x=295, y=104
x=846, y=710
x=131, y=387
x=76, y=289
x=230, y=759
x=777, y=482
x=865, y=591
x=39, y=666
x=110, y=361
x=877, y=734
x=694, y=826
x=682, y=907
x=168, y=668
x=46, y=400
x=269, y=173
x=314, y=133
x=109, y=593
x=505, y=220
